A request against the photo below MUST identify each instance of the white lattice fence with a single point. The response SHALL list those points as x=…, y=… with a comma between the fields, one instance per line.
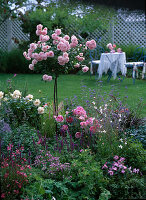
x=126, y=28
x=129, y=28
x=10, y=32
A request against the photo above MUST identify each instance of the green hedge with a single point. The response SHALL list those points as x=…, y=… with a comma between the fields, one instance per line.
x=13, y=62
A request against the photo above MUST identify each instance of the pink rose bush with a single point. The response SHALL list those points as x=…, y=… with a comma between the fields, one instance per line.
x=56, y=45
x=78, y=124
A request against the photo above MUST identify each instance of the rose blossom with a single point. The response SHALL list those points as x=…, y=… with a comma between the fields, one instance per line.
x=65, y=127
x=31, y=66
x=66, y=37
x=47, y=78
x=40, y=110
x=50, y=54
x=37, y=102
x=119, y=50
x=77, y=65
x=85, y=69
x=58, y=31
x=59, y=118
x=91, y=44
x=78, y=135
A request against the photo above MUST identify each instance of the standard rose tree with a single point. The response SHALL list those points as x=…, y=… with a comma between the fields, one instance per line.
x=64, y=51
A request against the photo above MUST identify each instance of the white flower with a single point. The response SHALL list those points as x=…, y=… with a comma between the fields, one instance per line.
x=29, y=97
x=16, y=94
x=121, y=140
x=95, y=107
x=41, y=110
x=120, y=146
x=37, y=102
x=93, y=102
x=1, y=94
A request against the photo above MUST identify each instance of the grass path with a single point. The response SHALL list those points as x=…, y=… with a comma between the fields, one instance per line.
x=70, y=85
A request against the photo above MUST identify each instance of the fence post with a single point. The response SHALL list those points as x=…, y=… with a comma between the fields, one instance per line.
x=9, y=34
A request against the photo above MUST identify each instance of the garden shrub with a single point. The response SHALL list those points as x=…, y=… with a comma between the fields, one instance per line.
x=17, y=109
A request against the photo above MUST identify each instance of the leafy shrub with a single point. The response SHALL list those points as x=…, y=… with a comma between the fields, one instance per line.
x=13, y=62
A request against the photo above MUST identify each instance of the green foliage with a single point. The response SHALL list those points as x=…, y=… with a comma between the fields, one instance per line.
x=13, y=62
x=60, y=15
x=48, y=125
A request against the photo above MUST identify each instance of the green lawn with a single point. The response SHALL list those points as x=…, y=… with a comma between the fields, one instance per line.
x=70, y=85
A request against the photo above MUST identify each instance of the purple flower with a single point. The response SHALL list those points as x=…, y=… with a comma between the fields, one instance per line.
x=111, y=173
x=116, y=157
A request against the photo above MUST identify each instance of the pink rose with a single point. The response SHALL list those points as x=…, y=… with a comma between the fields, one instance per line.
x=66, y=37
x=58, y=31
x=34, y=62
x=85, y=69
x=91, y=44
x=54, y=36
x=83, y=124
x=65, y=127
x=78, y=135
x=31, y=67
x=109, y=46
x=33, y=46
x=44, y=32
x=50, y=54
x=39, y=27
x=59, y=118
x=47, y=78
x=77, y=65
x=119, y=50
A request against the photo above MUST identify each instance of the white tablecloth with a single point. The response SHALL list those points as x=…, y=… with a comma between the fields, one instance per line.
x=113, y=61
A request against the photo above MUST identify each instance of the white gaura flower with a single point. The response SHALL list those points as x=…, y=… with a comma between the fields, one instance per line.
x=41, y=110
x=37, y=102
x=1, y=94
x=120, y=146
